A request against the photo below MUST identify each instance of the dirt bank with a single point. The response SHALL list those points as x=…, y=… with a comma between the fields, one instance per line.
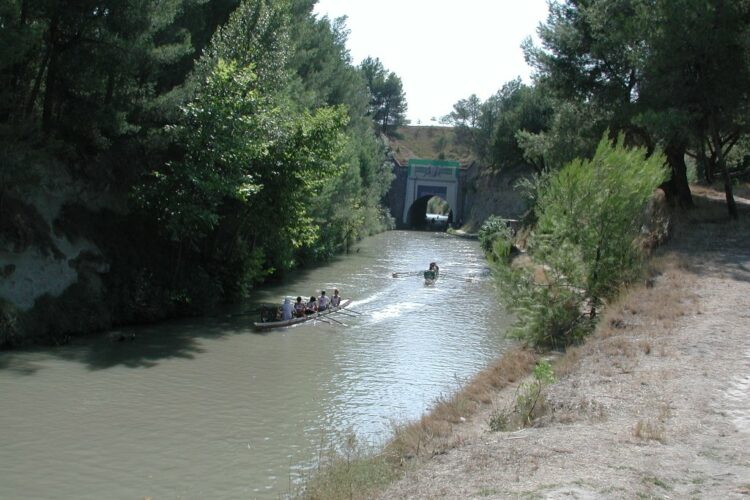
x=655, y=405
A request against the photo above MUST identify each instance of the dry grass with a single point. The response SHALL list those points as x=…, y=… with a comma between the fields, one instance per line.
x=433, y=433
x=428, y=142
x=650, y=430
x=349, y=471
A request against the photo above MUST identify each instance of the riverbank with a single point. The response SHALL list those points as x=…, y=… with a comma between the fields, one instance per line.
x=655, y=404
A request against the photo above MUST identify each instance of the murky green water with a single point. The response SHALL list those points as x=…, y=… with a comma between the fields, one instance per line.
x=210, y=409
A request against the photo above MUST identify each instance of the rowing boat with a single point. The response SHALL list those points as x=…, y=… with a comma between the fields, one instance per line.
x=430, y=277
x=265, y=325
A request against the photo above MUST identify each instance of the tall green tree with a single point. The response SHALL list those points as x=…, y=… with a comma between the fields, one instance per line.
x=465, y=118
x=696, y=77
x=521, y=110
x=494, y=129
x=85, y=70
x=388, y=100
x=593, y=53
x=325, y=76
x=667, y=72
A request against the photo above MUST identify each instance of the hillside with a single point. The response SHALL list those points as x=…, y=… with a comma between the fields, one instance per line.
x=430, y=142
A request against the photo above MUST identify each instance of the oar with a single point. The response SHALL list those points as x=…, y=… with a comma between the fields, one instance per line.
x=352, y=310
x=342, y=311
x=457, y=278
x=335, y=320
x=405, y=273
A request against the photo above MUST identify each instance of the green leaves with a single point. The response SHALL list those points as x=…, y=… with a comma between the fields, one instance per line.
x=387, y=98
x=592, y=211
x=583, y=246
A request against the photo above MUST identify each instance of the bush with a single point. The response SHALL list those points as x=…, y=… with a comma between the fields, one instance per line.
x=583, y=245
x=528, y=403
x=496, y=238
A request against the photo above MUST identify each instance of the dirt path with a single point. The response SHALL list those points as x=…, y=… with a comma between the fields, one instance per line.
x=656, y=405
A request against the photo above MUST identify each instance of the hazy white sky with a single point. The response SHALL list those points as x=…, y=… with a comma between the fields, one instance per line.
x=443, y=50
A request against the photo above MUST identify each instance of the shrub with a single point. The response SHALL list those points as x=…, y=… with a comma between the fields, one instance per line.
x=496, y=238
x=529, y=400
x=587, y=219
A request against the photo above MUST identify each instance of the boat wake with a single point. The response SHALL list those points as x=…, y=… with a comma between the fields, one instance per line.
x=394, y=310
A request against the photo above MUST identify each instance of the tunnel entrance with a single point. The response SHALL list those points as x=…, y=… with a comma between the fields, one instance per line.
x=430, y=213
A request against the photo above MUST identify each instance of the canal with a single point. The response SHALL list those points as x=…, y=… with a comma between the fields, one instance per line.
x=209, y=408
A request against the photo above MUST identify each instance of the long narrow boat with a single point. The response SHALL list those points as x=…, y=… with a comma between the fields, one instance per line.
x=265, y=325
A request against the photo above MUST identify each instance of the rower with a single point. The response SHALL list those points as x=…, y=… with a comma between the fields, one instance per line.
x=286, y=309
x=336, y=299
x=299, y=308
x=312, y=306
x=323, y=301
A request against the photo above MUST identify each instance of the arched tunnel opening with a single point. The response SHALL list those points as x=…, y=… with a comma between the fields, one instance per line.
x=430, y=213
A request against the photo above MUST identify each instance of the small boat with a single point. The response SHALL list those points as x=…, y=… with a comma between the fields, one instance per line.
x=265, y=325
x=430, y=277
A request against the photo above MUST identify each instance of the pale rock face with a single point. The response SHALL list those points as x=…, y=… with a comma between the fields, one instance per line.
x=28, y=273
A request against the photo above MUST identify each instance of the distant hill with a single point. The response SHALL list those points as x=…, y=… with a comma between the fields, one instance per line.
x=428, y=142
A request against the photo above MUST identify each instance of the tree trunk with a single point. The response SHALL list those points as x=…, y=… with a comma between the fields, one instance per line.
x=15, y=108
x=731, y=205
x=109, y=93
x=51, y=81
x=31, y=101
x=678, y=186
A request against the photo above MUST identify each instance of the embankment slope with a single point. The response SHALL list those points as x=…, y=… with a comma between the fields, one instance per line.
x=656, y=404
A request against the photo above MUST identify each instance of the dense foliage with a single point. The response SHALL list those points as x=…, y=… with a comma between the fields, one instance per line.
x=237, y=138
x=583, y=247
x=666, y=73
x=387, y=98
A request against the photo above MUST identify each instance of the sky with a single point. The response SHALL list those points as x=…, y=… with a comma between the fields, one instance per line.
x=443, y=50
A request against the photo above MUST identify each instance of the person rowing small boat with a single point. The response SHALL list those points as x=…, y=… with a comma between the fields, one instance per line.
x=431, y=275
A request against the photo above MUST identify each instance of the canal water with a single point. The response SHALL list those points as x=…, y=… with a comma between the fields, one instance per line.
x=209, y=408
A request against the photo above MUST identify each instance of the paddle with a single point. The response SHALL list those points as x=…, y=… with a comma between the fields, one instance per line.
x=327, y=318
x=457, y=278
x=342, y=311
x=406, y=273
x=353, y=311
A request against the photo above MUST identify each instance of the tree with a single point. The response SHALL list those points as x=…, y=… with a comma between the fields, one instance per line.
x=521, y=110
x=583, y=246
x=695, y=81
x=594, y=54
x=388, y=101
x=350, y=205
x=83, y=70
x=493, y=130
x=465, y=119
x=669, y=72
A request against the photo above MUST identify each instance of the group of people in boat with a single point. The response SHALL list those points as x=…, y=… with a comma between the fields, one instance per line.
x=302, y=308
